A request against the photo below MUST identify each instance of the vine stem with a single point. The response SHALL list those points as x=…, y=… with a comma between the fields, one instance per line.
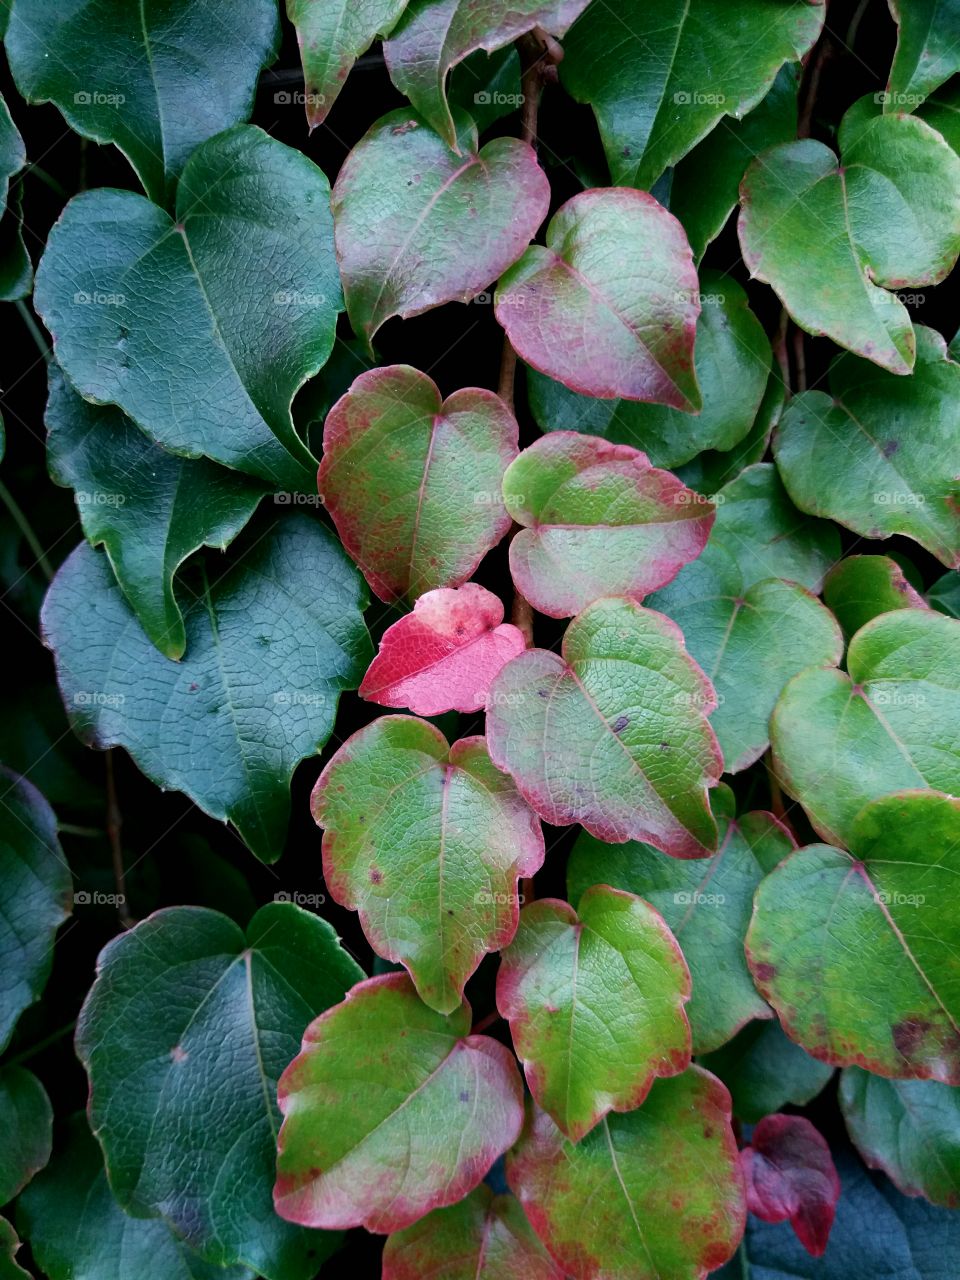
x=114, y=825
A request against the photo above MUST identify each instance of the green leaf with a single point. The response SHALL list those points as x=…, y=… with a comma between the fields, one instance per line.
x=150, y=509
x=765, y=1071
x=391, y=1110
x=573, y=312
x=202, y=329
x=942, y=111
x=862, y=587
x=13, y=153
x=612, y=732
x=184, y=1035
x=731, y=359
x=429, y=518
x=270, y=645
x=16, y=269
x=645, y=1195
x=878, y=454
x=26, y=1129
x=77, y=1230
x=427, y=842
x=661, y=76
x=487, y=86
x=419, y=224
x=706, y=904
x=893, y=722
x=594, y=998
x=35, y=898
x=927, y=52
x=945, y=594
x=853, y=950
x=9, y=1246
x=156, y=81
x=833, y=238
x=709, y=471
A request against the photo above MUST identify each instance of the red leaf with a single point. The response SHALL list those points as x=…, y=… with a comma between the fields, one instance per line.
x=790, y=1174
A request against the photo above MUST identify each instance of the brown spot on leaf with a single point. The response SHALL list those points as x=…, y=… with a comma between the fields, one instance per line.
x=620, y=723
x=765, y=972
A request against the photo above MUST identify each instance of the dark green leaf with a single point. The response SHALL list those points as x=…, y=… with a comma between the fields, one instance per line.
x=862, y=587
x=26, y=1129
x=765, y=1071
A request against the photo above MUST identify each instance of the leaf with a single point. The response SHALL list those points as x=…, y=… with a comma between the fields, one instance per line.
x=908, y=1128
x=878, y=454
x=597, y=520
x=443, y=655
x=202, y=329
x=435, y=35
x=483, y=1237
x=750, y=642
x=10, y=1269
x=862, y=587
x=649, y=1194
x=184, y=1034
x=429, y=519
x=926, y=53
x=707, y=906
x=828, y=924
x=487, y=86
x=157, y=82
x=77, y=1230
x=677, y=71
x=150, y=509
x=16, y=269
x=419, y=224
x=709, y=471
x=833, y=238
x=13, y=153
x=331, y=36
x=731, y=358
x=942, y=111
x=36, y=896
x=894, y=722
x=270, y=645
x=766, y=1071
x=573, y=312
x=612, y=733
x=945, y=594
x=391, y=1110
x=790, y=1176
x=26, y=1126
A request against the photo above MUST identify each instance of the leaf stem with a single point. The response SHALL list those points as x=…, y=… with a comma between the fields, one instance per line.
x=34, y=329
x=492, y=1017
x=29, y=537
x=114, y=825
x=45, y=1043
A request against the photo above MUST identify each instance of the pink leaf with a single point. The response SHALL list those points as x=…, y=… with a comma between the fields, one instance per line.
x=790, y=1174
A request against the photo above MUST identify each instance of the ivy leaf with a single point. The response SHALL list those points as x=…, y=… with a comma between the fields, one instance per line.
x=893, y=722
x=862, y=587
x=790, y=1175
x=378, y=1138
x=942, y=111
x=612, y=733
x=10, y=1269
x=156, y=82
x=150, y=509
x=184, y=1034
x=427, y=842
x=429, y=519
x=878, y=454
x=945, y=594
x=731, y=358
x=443, y=655
x=487, y=86
x=419, y=224
x=709, y=471
x=483, y=1237
x=573, y=312
x=435, y=35
x=26, y=1129
x=36, y=896
x=908, y=1128
x=652, y=1193
x=927, y=53
x=202, y=329
x=764, y=1071
x=16, y=269
x=706, y=904
x=677, y=72
x=834, y=238
x=826, y=923
x=270, y=644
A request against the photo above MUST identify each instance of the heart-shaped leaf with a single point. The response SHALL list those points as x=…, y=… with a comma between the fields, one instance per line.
x=862, y=587
x=26, y=1129
x=879, y=453
x=652, y=1193
x=893, y=722
x=391, y=1110
x=660, y=76
x=427, y=842
x=709, y=471
x=419, y=224
x=157, y=80
x=908, y=1128
x=826, y=923
x=573, y=312
x=202, y=328
x=945, y=594
x=430, y=518
x=597, y=520
x=927, y=52
x=443, y=655
x=834, y=238
x=790, y=1175
x=270, y=645
x=764, y=1071
x=150, y=509
x=184, y=1035
x=612, y=733
x=484, y=1237
x=594, y=998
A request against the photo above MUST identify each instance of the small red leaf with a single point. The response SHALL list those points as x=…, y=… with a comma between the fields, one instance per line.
x=790, y=1174
x=443, y=655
